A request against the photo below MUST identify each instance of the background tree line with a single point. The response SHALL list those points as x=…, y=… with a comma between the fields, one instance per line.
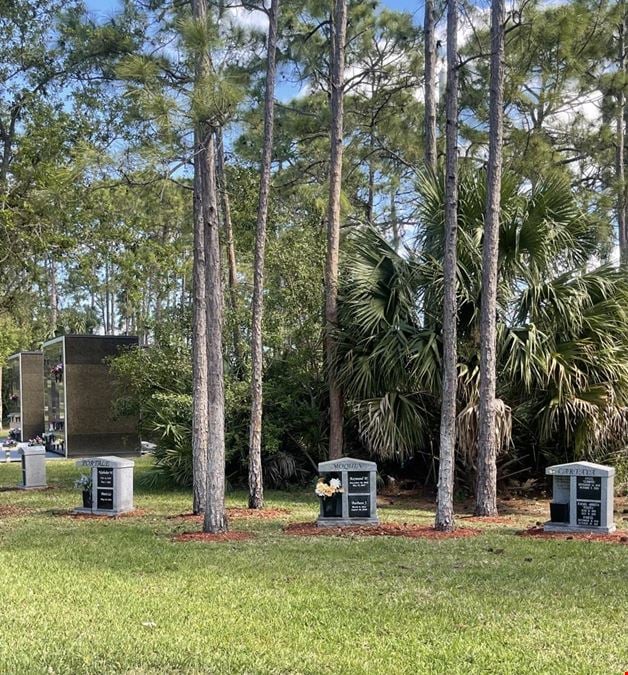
x=279, y=228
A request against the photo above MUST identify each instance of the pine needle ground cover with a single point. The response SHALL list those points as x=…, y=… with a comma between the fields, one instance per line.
x=121, y=596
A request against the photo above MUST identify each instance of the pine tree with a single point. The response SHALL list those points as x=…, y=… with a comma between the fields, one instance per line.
x=338, y=40
x=445, y=499
x=256, y=486
x=486, y=486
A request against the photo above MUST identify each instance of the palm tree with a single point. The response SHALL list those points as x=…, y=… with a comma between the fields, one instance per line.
x=562, y=329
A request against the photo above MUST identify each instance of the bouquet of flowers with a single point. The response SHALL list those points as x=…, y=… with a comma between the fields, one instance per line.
x=327, y=488
x=84, y=483
x=38, y=440
x=14, y=397
x=57, y=372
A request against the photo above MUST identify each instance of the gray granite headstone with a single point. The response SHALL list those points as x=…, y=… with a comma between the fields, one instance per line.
x=357, y=503
x=33, y=466
x=112, y=485
x=582, y=498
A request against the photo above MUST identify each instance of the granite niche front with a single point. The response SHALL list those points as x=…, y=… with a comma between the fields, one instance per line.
x=25, y=382
x=79, y=395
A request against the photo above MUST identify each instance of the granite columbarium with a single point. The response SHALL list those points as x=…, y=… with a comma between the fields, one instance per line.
x=582, y=498
x=356, y=502
x=112, y=485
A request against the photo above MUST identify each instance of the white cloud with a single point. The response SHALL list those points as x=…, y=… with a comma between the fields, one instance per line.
x=583, y=109
x=252, y=20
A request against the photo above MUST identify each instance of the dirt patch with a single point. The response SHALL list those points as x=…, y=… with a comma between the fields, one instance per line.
x=382, y=530
x=238, y=513
x=498, y=520
x=620, y=537
x=262, y=514
x=509, y=506
x=405, y=502
x=207, y=537
x=9, y=510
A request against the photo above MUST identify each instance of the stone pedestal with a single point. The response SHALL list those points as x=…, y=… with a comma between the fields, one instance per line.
x=112, y=485
x=582, y=498
x=357, y=503
x=33, y=459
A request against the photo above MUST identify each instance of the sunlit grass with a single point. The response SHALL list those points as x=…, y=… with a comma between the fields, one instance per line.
x=115, y=596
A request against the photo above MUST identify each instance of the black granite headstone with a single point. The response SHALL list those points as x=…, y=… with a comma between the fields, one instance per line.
x=104, y=499
x=105, y=477
x=359, y=482
x=359, y=506
x=588, y=487
x=588, y=514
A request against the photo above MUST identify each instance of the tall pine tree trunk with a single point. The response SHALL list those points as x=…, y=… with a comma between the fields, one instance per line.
x=620, y=158
x=200, y=427
x=232, y=268
x=430, y=85
x=338, y=39
x=53, y=297
x=205, y=184
x=215, y=516
x=445, y=500
x=486, y=486
x=107, y=305
x=256, y=485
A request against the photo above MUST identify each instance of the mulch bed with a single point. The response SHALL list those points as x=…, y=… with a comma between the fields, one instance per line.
x=538, y=532
x=262, y=514
x=207, y=537
x=238, y=513
x=382, y=530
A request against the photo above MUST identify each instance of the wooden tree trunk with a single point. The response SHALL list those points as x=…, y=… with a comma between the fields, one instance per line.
x=107, y=303
x=215, y=515
x=200, y=426
x=445, y=500
x=430, y=85
x=112, y=312
x=232, y=268
x=339, y=33
x=53, y=297
x=215, y=519
x=256, y=485
x=622, y=233
x=486, y=486
x=394, y=221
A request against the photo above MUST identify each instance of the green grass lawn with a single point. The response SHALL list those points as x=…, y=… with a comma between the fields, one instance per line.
x=119, y=596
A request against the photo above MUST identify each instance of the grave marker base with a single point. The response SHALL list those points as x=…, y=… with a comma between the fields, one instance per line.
x=549, y=526
x=344, y=522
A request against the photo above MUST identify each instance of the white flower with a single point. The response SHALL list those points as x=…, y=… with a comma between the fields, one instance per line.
x=320, y=489
x=335, y=483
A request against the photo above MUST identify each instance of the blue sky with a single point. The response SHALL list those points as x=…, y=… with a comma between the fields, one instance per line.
x=106, y=7
x=286, y=89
